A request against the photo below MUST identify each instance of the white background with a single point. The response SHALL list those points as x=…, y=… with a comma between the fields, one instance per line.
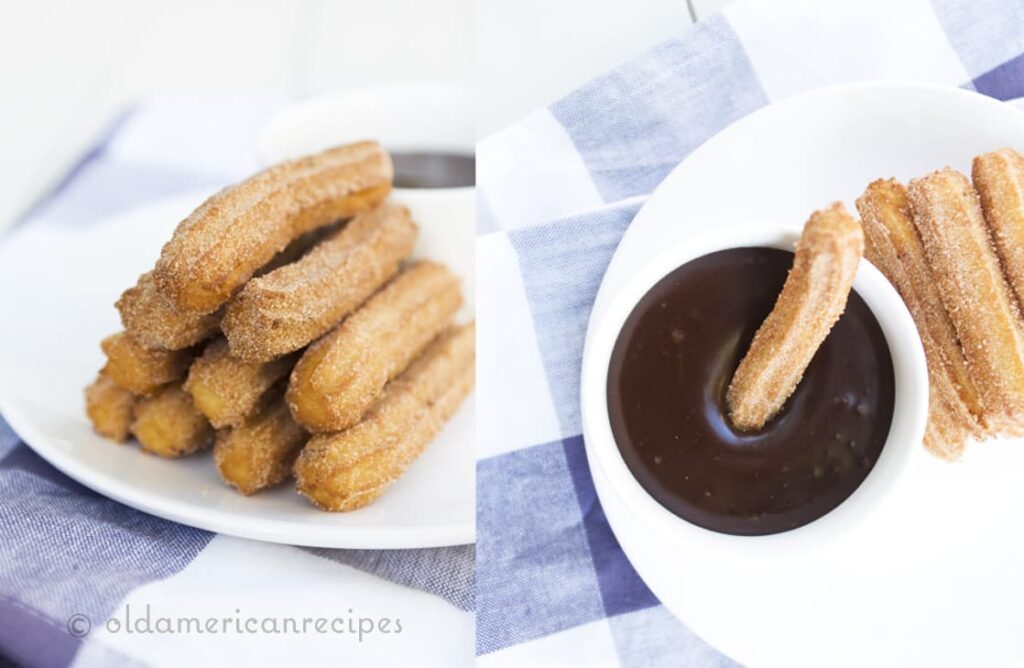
x=67, y=68
x=531, y=52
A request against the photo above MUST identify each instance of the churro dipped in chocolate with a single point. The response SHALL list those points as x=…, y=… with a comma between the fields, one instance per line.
x=109, y=407
x=297, y=303
x=896, y=250
x=260, y=451
x=154, y=323
x=227, y=389
x=230, y=236
x=339, y=377
x=348, y=470
x=140, y=370
x=999, y=179
x=948, y=217
x=168, y=425
x=811, y=301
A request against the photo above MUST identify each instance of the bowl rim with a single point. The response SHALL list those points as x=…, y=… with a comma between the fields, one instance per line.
x=396, y=95
x=910, y=412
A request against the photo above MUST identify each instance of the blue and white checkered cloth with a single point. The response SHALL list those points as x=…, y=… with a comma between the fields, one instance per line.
x=556, y=192
x=66, y=551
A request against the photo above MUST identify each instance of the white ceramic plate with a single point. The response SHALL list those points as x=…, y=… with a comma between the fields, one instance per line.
x=934, y=577
x=57, y=289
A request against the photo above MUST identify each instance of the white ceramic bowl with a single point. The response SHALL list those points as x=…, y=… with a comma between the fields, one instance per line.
x=403, y=118
x=906, y=432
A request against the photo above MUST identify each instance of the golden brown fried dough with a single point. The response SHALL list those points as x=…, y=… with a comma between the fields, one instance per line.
x=948, y=217
x=945, y=435
x=109, y=407
x=259, y=453
x=350, y=469
x=896, y=250
x=151, y=320
x=219, y=247
x=168, y=425
x=339, y=377
x=999, y=179
x=291, y=306
x=226, y=389
x=812, y=299
x=141, y=370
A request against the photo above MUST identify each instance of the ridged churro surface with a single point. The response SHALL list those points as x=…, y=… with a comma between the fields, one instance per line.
x=141, y=370
x=154, y=323
x=948, y=217
x=999, y=179
x=230, y=236
x=339, y=377
x=226, y=389
x=348, y=470
x=259, y=452
x=895, y=249
x=168, y=425
x=811, y=301
x=109, y=407
x=945, y=435
x=297, y=303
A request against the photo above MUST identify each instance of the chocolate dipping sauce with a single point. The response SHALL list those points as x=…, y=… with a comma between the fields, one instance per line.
x=434, y=170
x=667, y=380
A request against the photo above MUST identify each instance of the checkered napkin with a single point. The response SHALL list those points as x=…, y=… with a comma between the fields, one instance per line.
x=556, y=192
x=67, y=551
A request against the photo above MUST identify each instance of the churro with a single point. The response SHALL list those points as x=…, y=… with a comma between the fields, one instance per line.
x=151, y=320
x=229, y=237
x=999, y=179
x=291, y=306
x=168, y=425
x=226, y=389
x=812, y=299
x=350, y=469
x=896, y=250
x=259, y=452
x=109, y=407
x=945, y=435
x=141, y=370
x=339, y=377
x=948, y=216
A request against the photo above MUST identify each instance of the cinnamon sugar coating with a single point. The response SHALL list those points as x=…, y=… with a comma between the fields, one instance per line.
x=109, y=407
x=999, y=179
x=350, y=469
x=141, y=370
x=154, y=323
x=219, y=247
x=226, y=389
x=896, y=250
x=339, y=377
x=168, y=425
x=948, y=217
x=287, y=308
x=812, y=299
x=260, y=451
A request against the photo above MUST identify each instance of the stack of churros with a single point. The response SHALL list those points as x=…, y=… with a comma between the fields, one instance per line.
x=285, y=321
x=955, y=252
